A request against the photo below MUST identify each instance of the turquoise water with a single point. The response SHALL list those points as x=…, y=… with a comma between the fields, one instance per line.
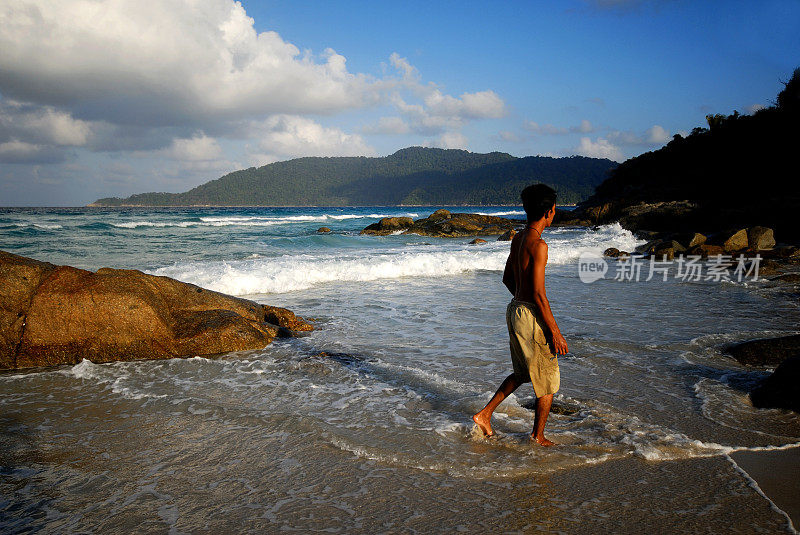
x=375, y=434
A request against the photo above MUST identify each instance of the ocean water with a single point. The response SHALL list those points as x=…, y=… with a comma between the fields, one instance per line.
x=364, y=425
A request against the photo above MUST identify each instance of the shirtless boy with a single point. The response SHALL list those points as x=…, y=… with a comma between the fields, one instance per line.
x=535, y=338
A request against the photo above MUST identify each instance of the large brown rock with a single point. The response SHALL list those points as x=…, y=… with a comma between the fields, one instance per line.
x=766, y=351
x=52, y=315
x=760, y=238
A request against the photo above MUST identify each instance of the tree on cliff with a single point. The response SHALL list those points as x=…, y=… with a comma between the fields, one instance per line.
x=734, y=171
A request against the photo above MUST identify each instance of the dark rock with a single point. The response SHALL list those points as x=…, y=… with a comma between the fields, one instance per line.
x=781, y=251
x=323, y=230
x=767, y=267
x=477, y=241
x=507, y=235
x=760, y=238
x=669, y=244
x=59, y=315
x=612, y=252
x=791, y=278
x=569, y=218
x=648, y=247
x=443, y=224
x=780, y=390
x=389, y=225
x=765, y=351
x=705, y=250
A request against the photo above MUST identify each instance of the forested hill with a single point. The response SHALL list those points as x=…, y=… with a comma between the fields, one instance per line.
x=414, y=175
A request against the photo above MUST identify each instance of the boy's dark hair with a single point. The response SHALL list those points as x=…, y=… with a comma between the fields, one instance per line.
x=537, y=200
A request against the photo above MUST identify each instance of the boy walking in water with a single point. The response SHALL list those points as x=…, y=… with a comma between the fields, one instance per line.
x=534, y=335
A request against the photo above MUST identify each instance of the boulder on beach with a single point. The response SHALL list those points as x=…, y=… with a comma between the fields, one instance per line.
x=51, y=315
x=444, y=224
x=507, y=235
x=779, y=390
x=765, y=351
x=760, y=238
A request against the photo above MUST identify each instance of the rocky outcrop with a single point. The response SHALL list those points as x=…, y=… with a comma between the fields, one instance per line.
x=444, y=224
x=323, y=230
x=779, y=390
x=765, y=351
x=507, y=235
x=52, y=315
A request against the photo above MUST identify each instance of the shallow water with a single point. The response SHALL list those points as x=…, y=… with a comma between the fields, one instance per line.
x=364, y=425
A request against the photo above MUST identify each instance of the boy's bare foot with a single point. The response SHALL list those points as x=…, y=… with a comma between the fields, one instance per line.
x=543, y=441
x=484, y=424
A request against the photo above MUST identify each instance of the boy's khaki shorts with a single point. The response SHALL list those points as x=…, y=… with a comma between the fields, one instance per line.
x=533, y=357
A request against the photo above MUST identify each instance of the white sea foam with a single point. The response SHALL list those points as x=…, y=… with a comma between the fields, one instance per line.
x=249, y=221
x=501, y=214
x=42, y=226
x=296, y=272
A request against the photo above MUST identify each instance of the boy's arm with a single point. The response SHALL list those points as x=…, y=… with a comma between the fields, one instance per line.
x=508, y=275
x=540, y=297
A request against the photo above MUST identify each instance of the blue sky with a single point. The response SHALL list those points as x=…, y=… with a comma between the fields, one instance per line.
x=120, y=97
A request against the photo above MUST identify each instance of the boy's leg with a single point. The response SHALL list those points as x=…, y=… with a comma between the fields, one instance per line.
x=484, y=417
x=543, y=405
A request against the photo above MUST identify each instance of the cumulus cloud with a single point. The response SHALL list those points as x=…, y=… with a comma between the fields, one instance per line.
x=448, y=140
x=656, y=135
x=177, y=61
x=198, y=148
x=293, y=136
x=427, y=110
x=600, y=148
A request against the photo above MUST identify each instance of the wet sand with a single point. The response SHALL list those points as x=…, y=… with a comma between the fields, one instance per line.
x=777, y=474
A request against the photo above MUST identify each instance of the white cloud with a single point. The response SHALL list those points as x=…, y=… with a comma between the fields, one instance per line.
x=505, y=135
x=427, y=110
x=752, y=108
x=196, y=149
x=388, y=125
x=292, y=136
x=178, y=60
x=15, y=151
x=656, y=135
x=585, y=127
x=600, y=148
x=41, y=124
x=401, y=64
x=545, y=129
x=448, y=140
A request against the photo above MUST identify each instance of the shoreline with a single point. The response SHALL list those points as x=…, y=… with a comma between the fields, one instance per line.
x=772, y=473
